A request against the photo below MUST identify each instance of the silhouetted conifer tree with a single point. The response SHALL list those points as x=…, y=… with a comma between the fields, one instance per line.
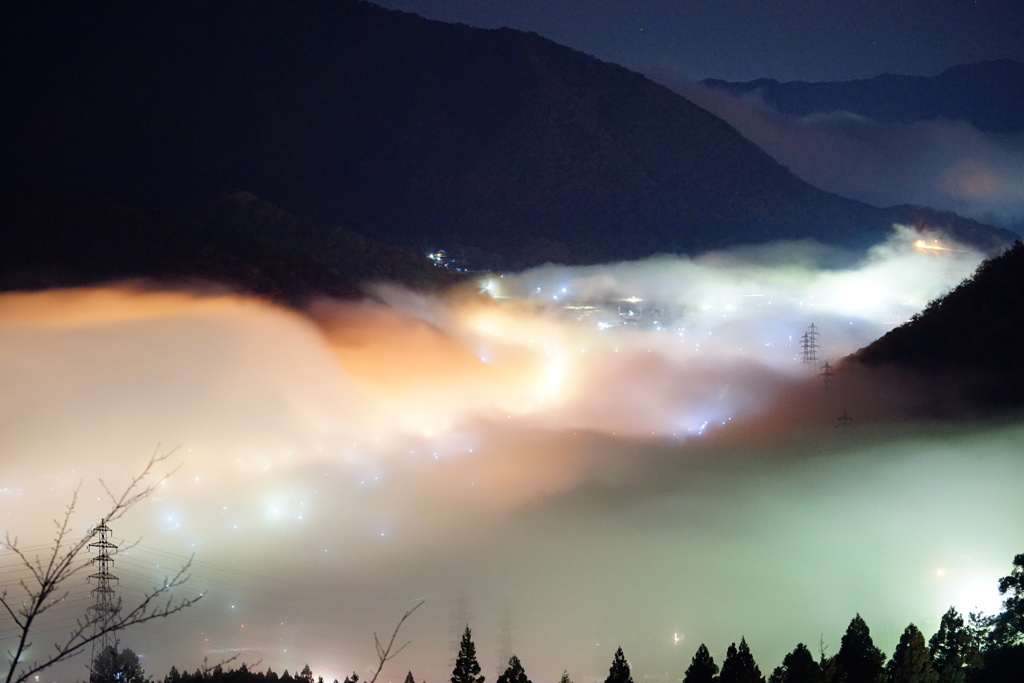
x=953, y=648
x=111, y=666
x=798, y=667
x=565, y=677
x=739, y=665
x=1008, y=626
x=216, y=675
x=409, y=678
x=514, y=672
x=858, y=658
x=467, y=669
x=618, y=672
x=912, y=661
x=1002, y=636
x=702, y=667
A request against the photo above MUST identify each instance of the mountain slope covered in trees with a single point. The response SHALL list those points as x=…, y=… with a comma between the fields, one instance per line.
x=234, y=240
x=499, y=145
x=973, y=334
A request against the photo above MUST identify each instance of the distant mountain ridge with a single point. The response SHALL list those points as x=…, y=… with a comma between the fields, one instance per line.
x=499, y=145
x=986, y=94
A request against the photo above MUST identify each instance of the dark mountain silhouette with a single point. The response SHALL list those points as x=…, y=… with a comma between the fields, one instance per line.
x=235, y=241
x=500, y=146
x=973, y=336
x=986, y=95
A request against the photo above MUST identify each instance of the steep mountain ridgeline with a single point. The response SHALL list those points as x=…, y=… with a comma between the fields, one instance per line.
x=982, y=94
x=973, y=334
x=498, y=145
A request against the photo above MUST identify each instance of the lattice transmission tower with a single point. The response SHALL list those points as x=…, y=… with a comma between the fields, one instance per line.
x=505, y=644
x=827, y=374
x=809, y=348
x=106, y=606
x=461, y=616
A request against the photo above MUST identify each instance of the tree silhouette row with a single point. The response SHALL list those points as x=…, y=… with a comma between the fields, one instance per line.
x=978, y=649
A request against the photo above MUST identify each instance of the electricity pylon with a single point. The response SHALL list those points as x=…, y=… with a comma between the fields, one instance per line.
x=809, y=347
x=106, y=605
x=844, y=422
x=826, y=374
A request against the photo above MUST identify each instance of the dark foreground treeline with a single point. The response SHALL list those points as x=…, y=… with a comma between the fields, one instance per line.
x=978, y=649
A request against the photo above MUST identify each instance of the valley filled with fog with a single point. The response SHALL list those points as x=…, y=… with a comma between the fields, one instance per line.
x=567, y=459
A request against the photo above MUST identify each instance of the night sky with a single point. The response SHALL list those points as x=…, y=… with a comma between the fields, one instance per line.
x=741, y=40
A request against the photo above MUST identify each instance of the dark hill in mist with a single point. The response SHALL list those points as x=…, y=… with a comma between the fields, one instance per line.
x=235, y=241
x=972, y=336
x=987, y=95
x=498, y=145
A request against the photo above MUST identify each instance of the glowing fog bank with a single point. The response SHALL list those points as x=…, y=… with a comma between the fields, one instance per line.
x=506, y=455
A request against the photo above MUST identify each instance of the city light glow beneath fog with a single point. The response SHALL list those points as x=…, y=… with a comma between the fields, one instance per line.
x=603, y=477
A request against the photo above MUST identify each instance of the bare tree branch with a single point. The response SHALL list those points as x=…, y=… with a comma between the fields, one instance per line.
x=49, y=576
x=384, y=654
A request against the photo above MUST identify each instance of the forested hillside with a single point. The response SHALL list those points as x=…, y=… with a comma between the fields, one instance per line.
x=497, y=145
x=974, y=333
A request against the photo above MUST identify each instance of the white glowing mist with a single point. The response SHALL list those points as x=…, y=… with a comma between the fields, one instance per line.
x=945, y=164
x=780, y=284
x=338, y=463
x=674, y=344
